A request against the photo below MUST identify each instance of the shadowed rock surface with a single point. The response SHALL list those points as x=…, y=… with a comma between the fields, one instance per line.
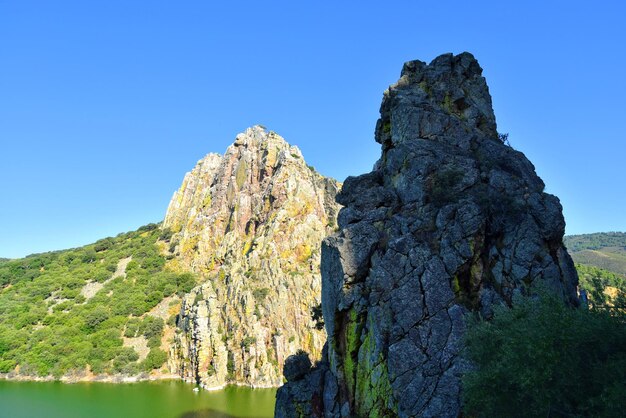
x=250, y=223
x=450, y=221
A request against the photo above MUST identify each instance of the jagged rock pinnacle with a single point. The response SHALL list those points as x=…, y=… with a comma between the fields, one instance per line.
x=450, y=221
x=250, y=223
x=445, y=100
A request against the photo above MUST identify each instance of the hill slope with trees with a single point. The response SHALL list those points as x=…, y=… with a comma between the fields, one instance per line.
x=102, y=309
x=601, y=263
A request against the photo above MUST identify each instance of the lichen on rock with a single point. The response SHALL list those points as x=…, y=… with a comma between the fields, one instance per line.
x=250, y=223
x=450, y=221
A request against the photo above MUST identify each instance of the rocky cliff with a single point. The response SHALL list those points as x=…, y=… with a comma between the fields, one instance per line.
x=250, y=223
x=450, y=221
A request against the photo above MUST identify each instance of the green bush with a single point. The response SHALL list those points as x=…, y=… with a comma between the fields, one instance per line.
x=152, y=326
x=95, y=317
x=442, y=185
x=155, y=359
x=541, y=358
x=166, y=234
x=248, y=341
x=103, y=244
x=6, y=366
x=317, y=316
x=595, y=280
x=132, y=328
x=260, y=294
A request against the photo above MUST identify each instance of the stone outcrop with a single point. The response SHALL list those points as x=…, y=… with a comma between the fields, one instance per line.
x=250, y=224
x=450, y=221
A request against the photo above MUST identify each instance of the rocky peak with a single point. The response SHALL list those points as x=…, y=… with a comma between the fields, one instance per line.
x=250, y=223
x=450, y=221
x=447, y=100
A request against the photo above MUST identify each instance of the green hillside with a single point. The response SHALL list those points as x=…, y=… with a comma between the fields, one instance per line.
x=596, y=241
x=608, y=258
x=601, y=263
x=86, y=309
x=105, y=307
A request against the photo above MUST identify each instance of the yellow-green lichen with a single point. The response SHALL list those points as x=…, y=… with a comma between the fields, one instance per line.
x=247, y=246
x=447, y=104
x=373, y=395
x=241, y=174
x=424, y=86
x=456, y=287
x=353, y=330
x=207, y=201
x=191, y=244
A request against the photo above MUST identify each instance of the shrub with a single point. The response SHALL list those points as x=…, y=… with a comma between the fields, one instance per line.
x=504, y=138
x=95, y=317
x=166, y=234
x=541, y=358
x=442, y=185
x=317, y=316
x=185, y=282
x=248, y=341
x=151, y=326
x=132, y=328
x=149, y=227
x=155, y=359
x=260, y=294
x=103, y=244
x=7, y=365
x=230, y=366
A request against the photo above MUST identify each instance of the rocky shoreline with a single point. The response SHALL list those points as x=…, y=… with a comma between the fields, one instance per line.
x=84, y=378
x=120, y=378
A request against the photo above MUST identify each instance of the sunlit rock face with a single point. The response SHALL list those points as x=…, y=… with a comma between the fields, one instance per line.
x=250, y=223
x=450, y=221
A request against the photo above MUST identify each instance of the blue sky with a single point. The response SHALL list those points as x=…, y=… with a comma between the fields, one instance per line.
x=104, y=105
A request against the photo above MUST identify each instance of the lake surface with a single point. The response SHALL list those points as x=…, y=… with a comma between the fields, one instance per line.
x=164, y=399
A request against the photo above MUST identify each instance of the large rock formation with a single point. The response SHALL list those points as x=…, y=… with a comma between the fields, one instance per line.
x=250, y=223
x=451, y=220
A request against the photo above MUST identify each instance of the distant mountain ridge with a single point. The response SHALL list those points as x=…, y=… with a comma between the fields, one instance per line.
x=595, y=240
x=606, y=250
x=601, y=264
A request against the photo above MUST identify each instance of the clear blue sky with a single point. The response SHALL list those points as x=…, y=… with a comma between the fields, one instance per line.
x=104, y=105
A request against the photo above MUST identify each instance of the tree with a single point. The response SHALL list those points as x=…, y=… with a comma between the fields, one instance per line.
x=96, y=316
x=542, y=358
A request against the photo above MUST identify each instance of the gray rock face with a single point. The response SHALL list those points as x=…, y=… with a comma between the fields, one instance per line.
x=450, y=221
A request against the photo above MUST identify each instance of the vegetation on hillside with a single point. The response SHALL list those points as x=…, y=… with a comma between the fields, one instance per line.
x=601, y=264
x=604, y=288
x=541, y=358
x=49, y=327
x=595, y=241
x=607, y=258
x=606, y=250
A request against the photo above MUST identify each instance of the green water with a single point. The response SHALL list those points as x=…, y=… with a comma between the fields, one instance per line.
x=165, y=399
